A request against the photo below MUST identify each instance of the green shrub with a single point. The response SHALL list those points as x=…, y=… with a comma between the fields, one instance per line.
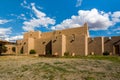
x=106, y=53
x=66, y=53
x=32, y=51
x=3, y=49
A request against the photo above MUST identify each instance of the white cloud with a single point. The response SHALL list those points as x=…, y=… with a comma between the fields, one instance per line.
x=14, y=38
x=40, y=20
x=97, y=20
x=116, y=16
x=4, y=32
x=79, y=2
x=4, y=21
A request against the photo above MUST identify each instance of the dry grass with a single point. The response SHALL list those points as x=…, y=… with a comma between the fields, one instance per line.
x=36, y=68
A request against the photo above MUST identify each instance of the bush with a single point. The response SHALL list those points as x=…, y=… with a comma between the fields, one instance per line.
x=32, y=51
x=3, y=49
x=66, y=54
x=106, y=53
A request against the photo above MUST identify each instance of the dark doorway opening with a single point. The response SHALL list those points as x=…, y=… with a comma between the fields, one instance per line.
x=117, y=49
x=48, y=49
x=21, y=50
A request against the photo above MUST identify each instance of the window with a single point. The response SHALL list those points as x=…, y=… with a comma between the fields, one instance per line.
x=59, y=32
x=43, y=42
x=30, y=35
x=24, y=43
x=73, y=38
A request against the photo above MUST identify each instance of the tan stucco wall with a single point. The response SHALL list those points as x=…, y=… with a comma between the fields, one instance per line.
x=96, y=45
x=110, y=42
x=9, y=49
x=59, y=45
x=77, y=45
x=40, y=45
x=32, y=34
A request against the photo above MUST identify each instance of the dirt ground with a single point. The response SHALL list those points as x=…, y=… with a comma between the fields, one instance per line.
x=39, y=68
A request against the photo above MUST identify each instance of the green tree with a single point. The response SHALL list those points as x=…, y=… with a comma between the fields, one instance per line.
x=32, y=51
x=2, y=49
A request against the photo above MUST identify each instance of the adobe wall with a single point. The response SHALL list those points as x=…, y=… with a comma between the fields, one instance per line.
x=96, y=45
x=110, y=42
x=83, y=30
x=22, y=44
x=77, y=44
x=59, y=45
x=32, y=34
x=108, y=45
x=9, y=49
x=40, y=45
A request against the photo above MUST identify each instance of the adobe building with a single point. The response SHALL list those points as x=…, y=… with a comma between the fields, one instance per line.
x=9, y=46
x=76, y=41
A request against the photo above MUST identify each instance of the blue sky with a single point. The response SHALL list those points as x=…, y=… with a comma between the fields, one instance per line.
x=19, y=16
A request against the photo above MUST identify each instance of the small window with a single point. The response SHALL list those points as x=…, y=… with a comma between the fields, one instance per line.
x=30, y=34
x=59, y=32
x=43, y=42
x=54, y=41
x=55, y=37
x=73, y=37
x=24, y=43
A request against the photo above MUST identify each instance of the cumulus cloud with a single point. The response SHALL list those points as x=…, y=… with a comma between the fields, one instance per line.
x=97, y=20
x=41, y=20
x=116, y=17
x=14, y=38
x=79, y=2
x=4, y=32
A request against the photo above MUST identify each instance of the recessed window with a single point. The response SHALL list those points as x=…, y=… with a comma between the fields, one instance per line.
x=55, y=37
x=43, y=42
x=24, y=43
x=30, y=34
x=54, y=41
x=59, y=32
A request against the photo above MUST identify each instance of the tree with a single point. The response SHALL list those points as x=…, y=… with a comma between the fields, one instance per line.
x=2, y=49
x=32, y=51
